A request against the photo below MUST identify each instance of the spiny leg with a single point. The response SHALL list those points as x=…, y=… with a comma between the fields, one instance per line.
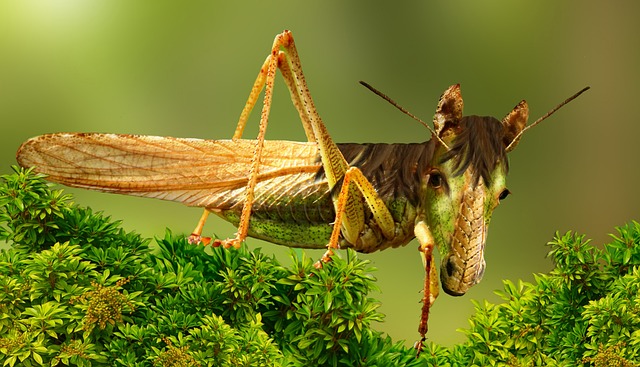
x=265, y=80
x=269, y=78
x=334, y=163
x=258, y=85
x=431, y=289
x=379, y=210
x=335, y=166
x=254, y=95
x=290, y=80
x=349, y=205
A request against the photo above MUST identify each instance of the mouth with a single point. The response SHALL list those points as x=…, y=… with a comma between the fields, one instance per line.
x=452, y=292
x=457, y=280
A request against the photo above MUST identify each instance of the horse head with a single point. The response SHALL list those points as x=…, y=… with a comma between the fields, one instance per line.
x=464, y=182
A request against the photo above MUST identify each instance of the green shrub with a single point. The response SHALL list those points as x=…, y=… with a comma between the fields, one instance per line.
x=76, y=289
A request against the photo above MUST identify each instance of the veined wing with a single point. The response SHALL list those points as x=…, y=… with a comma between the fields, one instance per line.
x=195, y=172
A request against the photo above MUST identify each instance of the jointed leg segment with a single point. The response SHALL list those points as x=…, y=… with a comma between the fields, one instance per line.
x=431, y=289
x=195, y=236
x=380, y=212
x=265, y=80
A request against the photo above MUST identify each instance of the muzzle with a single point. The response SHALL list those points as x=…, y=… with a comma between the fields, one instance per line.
x=464, y=264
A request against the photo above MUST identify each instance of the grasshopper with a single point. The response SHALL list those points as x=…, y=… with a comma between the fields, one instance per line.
x=316, y=194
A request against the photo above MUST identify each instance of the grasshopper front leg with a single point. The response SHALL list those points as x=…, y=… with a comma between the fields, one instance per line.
x=431, y=288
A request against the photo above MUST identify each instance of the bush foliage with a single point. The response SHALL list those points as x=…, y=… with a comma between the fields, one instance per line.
x=76, y=289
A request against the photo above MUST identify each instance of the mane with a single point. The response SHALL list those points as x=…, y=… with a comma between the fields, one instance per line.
x=396, y=169
x=479, y=143
x=393, y=169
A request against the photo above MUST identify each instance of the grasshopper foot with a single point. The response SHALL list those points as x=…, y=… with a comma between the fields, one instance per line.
x=419, y=345
x=196, y=239
x=228, y=243
x=324, y=259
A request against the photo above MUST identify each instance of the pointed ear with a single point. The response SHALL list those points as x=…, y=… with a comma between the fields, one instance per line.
x=449, y=108
x=514, y=123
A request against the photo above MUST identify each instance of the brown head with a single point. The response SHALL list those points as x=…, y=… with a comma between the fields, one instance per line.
x=464, y=183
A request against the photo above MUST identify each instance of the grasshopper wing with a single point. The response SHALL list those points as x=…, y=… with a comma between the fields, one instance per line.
x=195, y=172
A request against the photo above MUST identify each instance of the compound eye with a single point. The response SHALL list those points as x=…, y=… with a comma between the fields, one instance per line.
x=503, y=195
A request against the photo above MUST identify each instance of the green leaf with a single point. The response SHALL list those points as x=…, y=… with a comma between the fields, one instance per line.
x=36, y=357
x=328, y=300
x=10, y=361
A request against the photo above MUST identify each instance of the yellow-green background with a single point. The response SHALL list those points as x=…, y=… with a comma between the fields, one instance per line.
x=185, y=68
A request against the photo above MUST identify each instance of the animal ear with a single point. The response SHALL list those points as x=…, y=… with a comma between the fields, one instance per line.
x=514, y=123
x=449, y=108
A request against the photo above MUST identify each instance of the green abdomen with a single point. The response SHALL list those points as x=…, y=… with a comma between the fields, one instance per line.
x=296, y=221
x=307, y=223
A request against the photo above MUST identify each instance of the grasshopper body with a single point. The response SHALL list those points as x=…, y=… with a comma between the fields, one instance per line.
x=299, y=211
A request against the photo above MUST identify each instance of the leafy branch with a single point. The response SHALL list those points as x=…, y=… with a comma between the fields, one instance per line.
x=76, y=289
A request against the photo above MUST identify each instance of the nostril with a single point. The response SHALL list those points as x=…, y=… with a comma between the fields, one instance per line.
x=449, y=276
x=450, y=267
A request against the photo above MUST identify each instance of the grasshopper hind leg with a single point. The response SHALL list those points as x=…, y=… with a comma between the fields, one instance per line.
x=283, y=56
x=264, y=80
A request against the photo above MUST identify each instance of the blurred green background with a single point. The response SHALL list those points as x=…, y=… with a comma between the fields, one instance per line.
x=185, y=68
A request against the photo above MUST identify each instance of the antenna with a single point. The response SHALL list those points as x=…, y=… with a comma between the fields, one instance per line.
x=404, y=110
x=546, y=115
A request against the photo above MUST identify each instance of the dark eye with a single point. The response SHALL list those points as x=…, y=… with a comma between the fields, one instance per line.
x=503, y=195
x=435, y=180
